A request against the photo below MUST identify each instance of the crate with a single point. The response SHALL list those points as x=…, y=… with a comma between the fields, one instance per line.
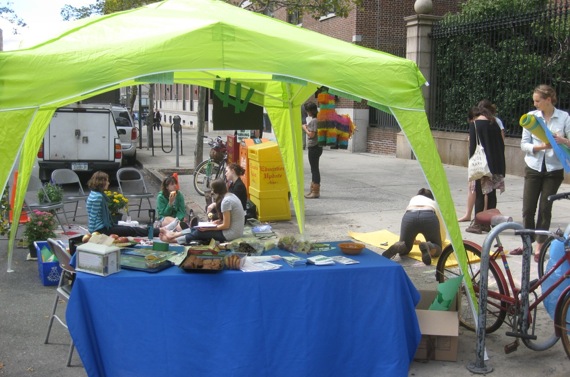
x=49, y=272
x=271, y=205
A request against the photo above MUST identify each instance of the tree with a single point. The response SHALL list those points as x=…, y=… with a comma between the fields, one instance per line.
x=7, y=13
x=314, y=8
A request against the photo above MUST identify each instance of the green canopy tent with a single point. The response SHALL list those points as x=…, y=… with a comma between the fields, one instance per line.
x=199, y=42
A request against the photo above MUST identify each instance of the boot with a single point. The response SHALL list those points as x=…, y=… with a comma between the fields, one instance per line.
x=310, y=190
x=315, y=192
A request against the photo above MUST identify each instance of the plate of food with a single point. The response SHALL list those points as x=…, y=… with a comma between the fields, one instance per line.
x=201, y=263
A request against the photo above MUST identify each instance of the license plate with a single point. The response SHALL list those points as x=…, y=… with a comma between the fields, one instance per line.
x=79, y=166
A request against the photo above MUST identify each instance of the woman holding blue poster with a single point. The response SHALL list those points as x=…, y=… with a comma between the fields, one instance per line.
x=544, y=171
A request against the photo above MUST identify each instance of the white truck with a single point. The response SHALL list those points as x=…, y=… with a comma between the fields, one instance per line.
x=82, y=138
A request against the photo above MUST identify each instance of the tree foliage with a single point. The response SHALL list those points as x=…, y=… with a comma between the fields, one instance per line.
x=314, y=8
x=7, y=13
x=499, y=50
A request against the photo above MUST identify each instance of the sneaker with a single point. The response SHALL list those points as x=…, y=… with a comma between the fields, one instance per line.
x=474, y=228
x=397, y=248
x=426, y=257
x=29, y=257
x=172, y=225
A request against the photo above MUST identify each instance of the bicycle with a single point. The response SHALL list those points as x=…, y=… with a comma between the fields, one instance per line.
x=544, y=254
x=519, y=307
x=212, y=168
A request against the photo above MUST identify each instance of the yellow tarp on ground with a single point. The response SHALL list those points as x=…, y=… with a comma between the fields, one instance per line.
x=384, y=239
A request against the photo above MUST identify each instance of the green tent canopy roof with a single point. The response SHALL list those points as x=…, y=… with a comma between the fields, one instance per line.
x=198, y=42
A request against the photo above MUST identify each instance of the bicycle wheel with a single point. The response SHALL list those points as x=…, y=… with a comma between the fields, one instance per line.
x=563, y=324
x=204, y=174
x=541, y=326
x=448, y=267
x=544, y=256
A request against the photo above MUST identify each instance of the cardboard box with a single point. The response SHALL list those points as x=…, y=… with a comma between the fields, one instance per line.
x=49, y=272
x=98, y=259
x=440, y=329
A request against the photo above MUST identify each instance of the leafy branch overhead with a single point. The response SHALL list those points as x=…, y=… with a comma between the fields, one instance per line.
x=314, y=8
x=7, y=13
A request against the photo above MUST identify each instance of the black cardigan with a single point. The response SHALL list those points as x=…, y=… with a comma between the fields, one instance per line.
x=491, y=138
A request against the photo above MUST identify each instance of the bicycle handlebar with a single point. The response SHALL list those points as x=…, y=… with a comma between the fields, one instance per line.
x=564, y=195
x=531, y=232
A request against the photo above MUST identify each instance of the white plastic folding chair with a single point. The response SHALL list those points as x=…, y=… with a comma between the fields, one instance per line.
x=32, y=203
x=73, y=190
x=63, y=290
x=132, y=186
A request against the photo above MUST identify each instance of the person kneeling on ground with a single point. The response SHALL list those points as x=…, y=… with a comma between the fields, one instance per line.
x=422, y=216
x=229, y=228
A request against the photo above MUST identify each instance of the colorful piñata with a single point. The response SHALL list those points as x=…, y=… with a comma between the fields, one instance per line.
x=333, y=129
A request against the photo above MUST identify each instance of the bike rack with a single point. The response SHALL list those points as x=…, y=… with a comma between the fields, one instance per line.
x=479, y=366
x=162, y=146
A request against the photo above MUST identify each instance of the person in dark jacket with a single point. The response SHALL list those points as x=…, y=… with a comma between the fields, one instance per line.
x=484, y=128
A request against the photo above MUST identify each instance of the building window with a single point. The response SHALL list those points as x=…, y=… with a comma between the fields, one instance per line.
x=293, y=17
x=329, y=14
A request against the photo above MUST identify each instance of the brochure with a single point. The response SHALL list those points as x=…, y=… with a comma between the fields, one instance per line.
x=320, y=260
x=344, y=260
x=295, y=261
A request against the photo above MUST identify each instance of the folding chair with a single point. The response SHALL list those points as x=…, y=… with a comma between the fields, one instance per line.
x=31, y=202
x=73, y=190
x=63, y=290
x=132, y=186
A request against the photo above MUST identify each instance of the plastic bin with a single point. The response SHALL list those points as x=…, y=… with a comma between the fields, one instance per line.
x=271, y=205
x=49, y=271
x=266, y=170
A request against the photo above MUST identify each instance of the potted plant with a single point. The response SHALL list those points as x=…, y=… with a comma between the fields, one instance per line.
x=40, y=227
x=54, y=193
x=117, y=202
x=5, y=213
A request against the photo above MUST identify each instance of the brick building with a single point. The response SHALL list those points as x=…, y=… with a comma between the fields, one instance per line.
x=378, y=25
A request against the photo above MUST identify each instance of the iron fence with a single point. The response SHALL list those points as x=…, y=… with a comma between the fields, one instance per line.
x=502, y=59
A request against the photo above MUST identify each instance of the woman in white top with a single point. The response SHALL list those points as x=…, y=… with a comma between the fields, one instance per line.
x=228, y=228
x=543, y=172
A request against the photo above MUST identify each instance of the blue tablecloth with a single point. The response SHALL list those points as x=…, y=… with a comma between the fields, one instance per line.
x=341, y=320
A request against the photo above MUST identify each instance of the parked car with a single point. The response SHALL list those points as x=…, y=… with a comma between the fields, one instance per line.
x=127, y=130
x=128, y=133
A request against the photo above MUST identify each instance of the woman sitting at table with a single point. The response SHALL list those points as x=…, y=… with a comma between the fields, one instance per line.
x=236, y=187
x=170, y=205
x=228, y=228
x=99, y=216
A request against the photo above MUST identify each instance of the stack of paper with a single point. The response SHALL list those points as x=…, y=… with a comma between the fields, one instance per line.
x=320, y=260
x=295, y=261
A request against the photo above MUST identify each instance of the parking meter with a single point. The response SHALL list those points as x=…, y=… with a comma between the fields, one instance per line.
x=177, y=128
x=176, y=124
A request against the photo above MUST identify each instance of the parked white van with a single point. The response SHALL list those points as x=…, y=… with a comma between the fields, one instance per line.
x=83, y=138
